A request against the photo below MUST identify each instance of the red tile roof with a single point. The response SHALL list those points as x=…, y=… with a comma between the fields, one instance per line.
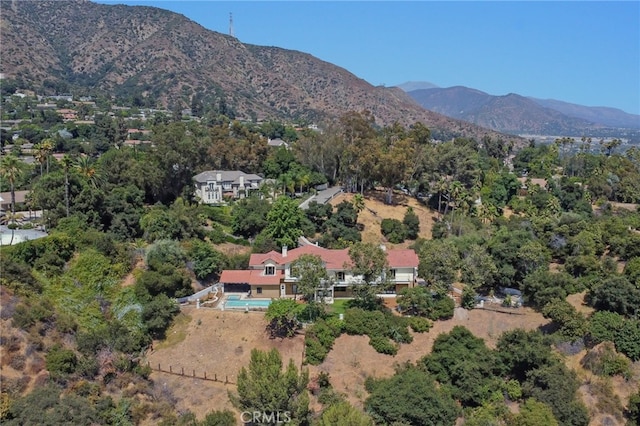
x=249, y=277
x=334, y=259
x=402, y=258
x=234, y=277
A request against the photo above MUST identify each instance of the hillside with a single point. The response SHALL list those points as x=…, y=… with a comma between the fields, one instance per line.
x=510, y=113
x=156, y=57
x=516, y=114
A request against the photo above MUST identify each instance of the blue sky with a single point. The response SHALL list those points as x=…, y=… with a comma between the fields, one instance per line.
x=583, y=52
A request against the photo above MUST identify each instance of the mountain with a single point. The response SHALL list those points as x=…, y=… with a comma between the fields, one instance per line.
x=611, y=117
x=410, y=86
x=151, y=56
x=517, y=114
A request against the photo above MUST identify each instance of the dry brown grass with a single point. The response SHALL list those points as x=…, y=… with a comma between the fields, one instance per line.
x=376, y=210
x=591, y=391
x=577, y=301
x=220, y=343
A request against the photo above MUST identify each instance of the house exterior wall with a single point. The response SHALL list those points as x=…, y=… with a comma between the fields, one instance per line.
x=269, y=291
x=404, y=275
x=403, y=272
x=209, y=194
x=216, y=186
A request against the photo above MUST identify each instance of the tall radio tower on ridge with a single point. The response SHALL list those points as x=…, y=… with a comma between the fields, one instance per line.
x=231, y=25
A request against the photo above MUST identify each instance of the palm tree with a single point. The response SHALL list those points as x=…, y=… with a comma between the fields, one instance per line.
x=47, y=148
x=441, y=186
x=40, y=155
x=87, y=168
x=67, y=163
x=358, y=203
x=288, y=183
x=11, y=169
x=456, y=193
x=553, y=207
x=304, y=180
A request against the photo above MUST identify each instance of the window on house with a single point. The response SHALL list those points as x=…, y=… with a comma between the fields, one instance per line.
x=270, y=270
x=294, y=289
x=259, y=290
x=339, y=289
x=392, y=274
x=340, y=276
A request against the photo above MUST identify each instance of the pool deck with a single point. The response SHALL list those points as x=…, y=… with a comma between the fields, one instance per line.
x=241, y=301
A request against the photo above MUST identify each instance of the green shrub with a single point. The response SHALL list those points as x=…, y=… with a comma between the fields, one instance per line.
x=319, y=339
x=217, y=235
x=513, y=389
x=377, y=324
x=419, y=324
x=87, y=367
x=27, y=316
x=468, y=298
x=411, y=223
x=17, y=276
x=61, y=362
x=315, y=353
x=383, y=345
x=443, y=309
x=393, y=230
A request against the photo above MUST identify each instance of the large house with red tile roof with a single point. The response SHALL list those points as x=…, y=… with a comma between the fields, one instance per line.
x=269, y=274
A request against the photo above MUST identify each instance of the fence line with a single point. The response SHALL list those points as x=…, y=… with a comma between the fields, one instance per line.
x=181, y=372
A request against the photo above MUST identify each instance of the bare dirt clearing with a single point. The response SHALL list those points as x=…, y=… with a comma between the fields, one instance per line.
x=578, y=301
x=375, y=210
x=220, y=343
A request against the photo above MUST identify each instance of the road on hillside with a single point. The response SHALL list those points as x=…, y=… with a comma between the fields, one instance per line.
x=322, y=197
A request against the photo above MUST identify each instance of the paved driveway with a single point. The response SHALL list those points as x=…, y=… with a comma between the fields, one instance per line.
x=322, y=197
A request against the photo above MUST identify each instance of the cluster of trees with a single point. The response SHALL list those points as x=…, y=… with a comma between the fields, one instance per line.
x=462, y=377
x=108, y=205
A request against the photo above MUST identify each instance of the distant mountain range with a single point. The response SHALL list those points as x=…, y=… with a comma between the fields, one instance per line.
x=153, y=56
x=518, y=114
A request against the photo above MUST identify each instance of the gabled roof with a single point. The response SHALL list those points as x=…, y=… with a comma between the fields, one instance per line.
x=402, y=258
x=225, y=175
x=249, y=277
x=334, y=259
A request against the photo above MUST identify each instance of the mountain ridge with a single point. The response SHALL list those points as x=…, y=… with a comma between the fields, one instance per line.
x=513, y=113
x=154, y=55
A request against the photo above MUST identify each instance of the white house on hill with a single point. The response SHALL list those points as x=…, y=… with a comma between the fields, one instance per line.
x=211, y=187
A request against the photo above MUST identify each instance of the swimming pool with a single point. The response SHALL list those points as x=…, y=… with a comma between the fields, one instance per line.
x=235, y=302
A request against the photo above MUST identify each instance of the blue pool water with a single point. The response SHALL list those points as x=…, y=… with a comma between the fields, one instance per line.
x=235, y=302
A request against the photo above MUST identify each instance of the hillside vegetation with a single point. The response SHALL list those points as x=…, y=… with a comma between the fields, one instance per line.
x=149, y=57
x=87, y=308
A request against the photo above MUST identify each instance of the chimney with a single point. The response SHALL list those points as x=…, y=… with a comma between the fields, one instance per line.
x=284, y=251
x=241, y=182
x=218, y=177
